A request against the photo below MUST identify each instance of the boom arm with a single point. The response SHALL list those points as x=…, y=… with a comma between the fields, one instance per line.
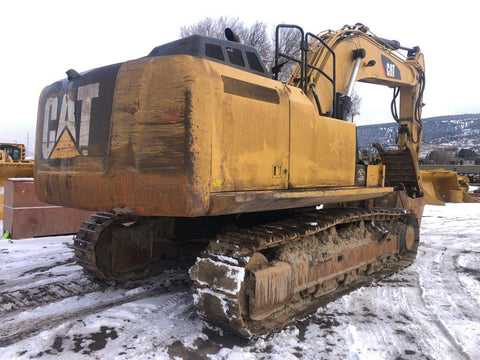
x=336, y=59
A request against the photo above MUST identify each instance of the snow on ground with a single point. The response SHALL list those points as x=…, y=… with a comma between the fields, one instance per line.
x=50, y=310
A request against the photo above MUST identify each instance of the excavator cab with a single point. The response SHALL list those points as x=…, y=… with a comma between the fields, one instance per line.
x=232, y=54
x=12, y=152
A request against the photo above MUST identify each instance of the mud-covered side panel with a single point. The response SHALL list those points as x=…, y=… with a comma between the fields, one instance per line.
x=74, y=118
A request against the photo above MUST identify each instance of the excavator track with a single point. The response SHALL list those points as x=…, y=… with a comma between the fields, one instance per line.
x=124, y=247
x=254, y=281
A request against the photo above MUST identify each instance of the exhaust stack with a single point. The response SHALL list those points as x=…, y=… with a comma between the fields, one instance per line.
x=230, y=35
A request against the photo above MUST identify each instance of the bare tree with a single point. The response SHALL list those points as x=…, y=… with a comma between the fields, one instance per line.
x=356, y=103
x=441, y=157
x=212, y=27
x=254, y=36
x=258, y=38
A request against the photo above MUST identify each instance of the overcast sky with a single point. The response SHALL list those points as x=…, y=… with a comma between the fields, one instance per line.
x=40, y=40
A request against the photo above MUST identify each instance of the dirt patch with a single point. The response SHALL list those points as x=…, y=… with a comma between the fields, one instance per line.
x=211, y=343
x=94, y=341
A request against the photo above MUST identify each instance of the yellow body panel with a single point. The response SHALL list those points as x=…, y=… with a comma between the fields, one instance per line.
x=375, y=175
x=322, y=150
x=250, y=132
x=161, y=129
x=185, y=130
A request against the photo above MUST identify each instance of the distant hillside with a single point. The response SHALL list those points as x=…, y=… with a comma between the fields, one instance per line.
x=460, y=130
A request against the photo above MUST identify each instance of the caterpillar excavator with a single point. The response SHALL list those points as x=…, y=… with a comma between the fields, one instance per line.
x=194, y=155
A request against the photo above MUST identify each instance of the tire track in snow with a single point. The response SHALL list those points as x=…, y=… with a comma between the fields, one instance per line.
x=382, y=321
x=21, y=299
x=36, y=319
x=26, y=277
x=436, y=288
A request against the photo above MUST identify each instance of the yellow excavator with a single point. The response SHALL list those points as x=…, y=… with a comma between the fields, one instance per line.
x=195, y=155
x=13, y=164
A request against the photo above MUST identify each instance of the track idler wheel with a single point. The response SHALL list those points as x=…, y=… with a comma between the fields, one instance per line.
x=409, y=235
x=124, y=246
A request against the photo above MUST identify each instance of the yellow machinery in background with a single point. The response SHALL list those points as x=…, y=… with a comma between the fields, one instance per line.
x=441, y=186
x=13, y=164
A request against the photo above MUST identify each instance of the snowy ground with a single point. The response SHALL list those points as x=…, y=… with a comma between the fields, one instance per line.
x=49, y=310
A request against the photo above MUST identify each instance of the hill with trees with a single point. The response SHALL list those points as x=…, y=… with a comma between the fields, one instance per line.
x=444, y=137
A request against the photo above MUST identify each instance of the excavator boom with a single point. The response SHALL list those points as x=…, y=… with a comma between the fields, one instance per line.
x=363, y=57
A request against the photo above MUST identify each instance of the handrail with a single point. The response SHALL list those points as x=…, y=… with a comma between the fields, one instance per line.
x=277, y=66
x=304, y=64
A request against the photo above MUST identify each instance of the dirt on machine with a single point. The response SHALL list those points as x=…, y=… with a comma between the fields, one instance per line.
x=194, y=155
